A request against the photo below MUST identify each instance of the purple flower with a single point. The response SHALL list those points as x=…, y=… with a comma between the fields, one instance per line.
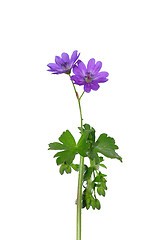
x=90, y=77
x=63, y=64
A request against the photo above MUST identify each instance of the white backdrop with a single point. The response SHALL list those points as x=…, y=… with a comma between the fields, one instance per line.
x=130, y=38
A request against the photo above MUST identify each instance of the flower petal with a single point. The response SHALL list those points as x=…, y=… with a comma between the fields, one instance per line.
x=78, y=62
x=78, y=80
x=101, y=80
x=74, y=78
x=97, y=67
x=65, y=57
x=77, y=71
x=101, y=75
x=53, y=66
x=59, y=60
x=94, y=86
x=91, y=65
x=87, y=87
x=74, y=56
x=82, y=68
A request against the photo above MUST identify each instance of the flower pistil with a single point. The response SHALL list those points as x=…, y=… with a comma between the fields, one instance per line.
x=88, y=77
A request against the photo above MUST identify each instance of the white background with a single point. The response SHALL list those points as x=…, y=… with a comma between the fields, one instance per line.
x=130, y=38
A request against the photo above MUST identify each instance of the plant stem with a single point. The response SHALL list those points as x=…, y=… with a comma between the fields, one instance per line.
x=81, y=95
x=79, y=198
x=80, y=176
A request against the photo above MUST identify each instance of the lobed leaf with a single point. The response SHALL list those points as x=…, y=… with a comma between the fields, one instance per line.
x=75, y=167
x=83, y=145
x=87, y=173
x=67, y=139
x=56, y=146
x=69, y=150
x=106, y=146
x=65, y=156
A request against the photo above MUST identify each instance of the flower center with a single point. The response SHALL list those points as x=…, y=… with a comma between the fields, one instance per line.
x=88, y=77
x=64, y=64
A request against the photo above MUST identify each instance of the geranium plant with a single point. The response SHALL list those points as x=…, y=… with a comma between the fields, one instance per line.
x=91, y=180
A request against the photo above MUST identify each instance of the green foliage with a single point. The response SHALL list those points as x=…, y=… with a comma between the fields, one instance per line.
x=97, y=204
x=94, y=181
x=65, y=156
x=68, y=145
x=65, y=168
x=87, y=173
x=67, y=139
x=106, y=146
x=75, y=167
x=83, y=145
x=69, y=149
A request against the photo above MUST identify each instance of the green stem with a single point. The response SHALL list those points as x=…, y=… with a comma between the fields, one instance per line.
x=80, y=110
x=79, y=198
x=81, y=95
x=80, y=176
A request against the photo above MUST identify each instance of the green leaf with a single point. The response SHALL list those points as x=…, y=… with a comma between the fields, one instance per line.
x=61, y=169
x=100, y=178
x=88, y=173
x=103, y=184
x=68, y=169
x=106, y=146
x=75, y=167
x=102, y=165
x=93, y=203
x=67, y=139
x=97, y=179
x=83, y=145
x=56, y=146
x=110, y=141
x=83, y=203
x=59, y=160
x=88, y=203
x=68, y=145
x=97, y=204
x=91, y=136
x=87, y=126
x=102, y=175
x=94, y=156
x=101, y=159
x=65, y=156
x=101, y=191
x=85, y=167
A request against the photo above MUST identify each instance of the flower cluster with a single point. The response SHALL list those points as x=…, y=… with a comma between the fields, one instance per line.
x=63, y=64
x=89, y=76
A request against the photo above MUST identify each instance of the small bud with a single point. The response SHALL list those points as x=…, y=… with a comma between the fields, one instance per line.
x=61, y=170
x=93, y=203
x=97, y=204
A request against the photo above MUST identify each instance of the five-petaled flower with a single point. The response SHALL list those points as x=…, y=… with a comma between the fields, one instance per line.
x=89, y=76
x=63, y=64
